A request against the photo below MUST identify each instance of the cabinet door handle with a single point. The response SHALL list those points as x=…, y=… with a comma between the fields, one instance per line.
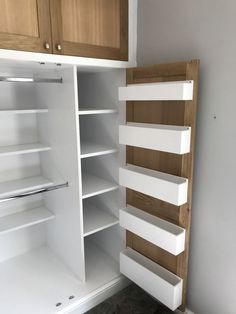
x=59, y=47
x=46, y=45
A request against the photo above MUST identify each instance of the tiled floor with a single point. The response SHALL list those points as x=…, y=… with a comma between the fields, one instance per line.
x=131, y=300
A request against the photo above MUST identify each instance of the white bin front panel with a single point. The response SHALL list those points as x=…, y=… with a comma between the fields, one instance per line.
x=156, y=280
x=166, y=187
x=160, y=232
x=167, y=138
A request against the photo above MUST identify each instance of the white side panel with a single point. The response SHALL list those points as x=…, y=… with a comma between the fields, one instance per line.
x=156, y=280
x=160, y=232
x=59, y=128
x=166, y=187
x=167, y=138
x=179, y=90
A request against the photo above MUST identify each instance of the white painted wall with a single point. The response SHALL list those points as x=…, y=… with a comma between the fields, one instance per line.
x=168, y=31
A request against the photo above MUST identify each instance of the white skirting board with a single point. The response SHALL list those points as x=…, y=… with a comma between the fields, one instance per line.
x=179, y=90
x=160, y=232
x=166, y=187
x=156, y=280
x=167, y=138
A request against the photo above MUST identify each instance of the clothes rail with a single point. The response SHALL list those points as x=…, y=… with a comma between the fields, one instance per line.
x=38, y=191
x=14, y=79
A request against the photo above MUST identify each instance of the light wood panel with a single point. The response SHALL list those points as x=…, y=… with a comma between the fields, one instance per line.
x=90, y=28
x=25, y=25
x=181, y=113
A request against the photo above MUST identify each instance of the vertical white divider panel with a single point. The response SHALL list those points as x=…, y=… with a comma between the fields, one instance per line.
x=60, y=129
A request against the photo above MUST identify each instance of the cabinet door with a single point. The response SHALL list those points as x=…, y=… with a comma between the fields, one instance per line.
x=25, y=25
x=90, y=28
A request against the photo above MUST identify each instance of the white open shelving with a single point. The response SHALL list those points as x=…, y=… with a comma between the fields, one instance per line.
x=93, y=185
x=24, y=219
x=97, y=219
x=166, y=187
x=92, y=111
x=22, y=111
x=179, y=90
x=168, y=138
x=156, y=280
x=89, y=149
x=11, y=188
x=160, y=232
x=23, y=149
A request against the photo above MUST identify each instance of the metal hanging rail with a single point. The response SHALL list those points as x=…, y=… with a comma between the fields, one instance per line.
x=14, y=79
x=38, y=191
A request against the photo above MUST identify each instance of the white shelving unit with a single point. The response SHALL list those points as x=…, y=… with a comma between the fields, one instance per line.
x=163, y=186
x=89, y=149
x=157, y=91
x=23, y=149
x=160, y=232
x=167, y=138
x=24, y=219
x=156, y=280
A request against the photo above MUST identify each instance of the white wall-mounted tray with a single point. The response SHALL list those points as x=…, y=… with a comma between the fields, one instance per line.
x=23, y=149
x=166, y=187
x=97, y=219
x=24, y=219
x=156, y=280
x=162, y=233
x=167, y=138
x=178, y=90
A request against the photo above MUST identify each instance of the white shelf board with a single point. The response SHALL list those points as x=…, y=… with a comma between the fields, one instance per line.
x=156, y=280
x=24, y=219
x=10, y=188
x=38, y=280
x=97, y=219
x=167, y=138
x=23, y=111
x=162, y=233
x=166, y=187
x=93, y=185
x=23, y=149
x=89, y=111
x=89, y=149
x=178, y=90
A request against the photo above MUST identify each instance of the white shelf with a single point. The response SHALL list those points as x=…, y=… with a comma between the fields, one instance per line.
x=37, y=281
x=93, y=185
x=179, y=90
x=89, y=111
x=156, y=280
x=10, y=188
x=167, y=138
x=23, y=149
x=166, y=187
x=24, y=219
x=23, y=111
x=160, y=232
x=97, y=219
x=93, y=149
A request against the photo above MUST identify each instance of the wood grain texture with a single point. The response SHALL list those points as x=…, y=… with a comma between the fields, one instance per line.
x=25, y=25
x=91, y=28
x=181, y=113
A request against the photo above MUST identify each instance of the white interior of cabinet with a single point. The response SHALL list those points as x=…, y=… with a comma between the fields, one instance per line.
x=49, y=249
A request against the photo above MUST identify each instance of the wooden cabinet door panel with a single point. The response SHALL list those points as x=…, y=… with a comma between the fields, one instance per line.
x=90, y=28
x=25, y=25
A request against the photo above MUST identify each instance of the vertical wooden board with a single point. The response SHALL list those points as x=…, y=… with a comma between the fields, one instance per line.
x=181, y=113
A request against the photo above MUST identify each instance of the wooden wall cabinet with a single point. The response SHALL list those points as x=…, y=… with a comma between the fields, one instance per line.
x=25, y=25
x=86, y=28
